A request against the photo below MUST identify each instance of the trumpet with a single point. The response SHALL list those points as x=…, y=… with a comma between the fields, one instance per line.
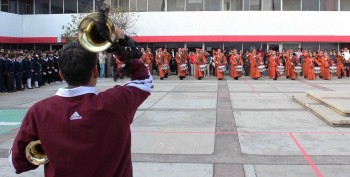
x=35, y=153
x=96, y=32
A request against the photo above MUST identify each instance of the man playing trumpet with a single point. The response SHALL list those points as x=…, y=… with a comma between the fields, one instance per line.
x=82, y=132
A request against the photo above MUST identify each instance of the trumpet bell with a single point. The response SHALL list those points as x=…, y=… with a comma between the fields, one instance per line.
x=89, y=36
x=35, y=154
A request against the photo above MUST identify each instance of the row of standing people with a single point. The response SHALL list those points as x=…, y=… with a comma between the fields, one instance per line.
x=20, y=70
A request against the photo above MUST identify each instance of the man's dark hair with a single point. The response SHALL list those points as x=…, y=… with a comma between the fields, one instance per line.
x=76, y=64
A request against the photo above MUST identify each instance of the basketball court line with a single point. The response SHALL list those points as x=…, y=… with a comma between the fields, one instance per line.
x=306, y=156
x=253, y=88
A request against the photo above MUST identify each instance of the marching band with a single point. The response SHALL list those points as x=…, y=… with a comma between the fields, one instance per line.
x=310, y=65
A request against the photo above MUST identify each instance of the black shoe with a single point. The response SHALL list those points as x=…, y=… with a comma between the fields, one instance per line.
x=161, y=78
x=199, y=78
x=181, y=78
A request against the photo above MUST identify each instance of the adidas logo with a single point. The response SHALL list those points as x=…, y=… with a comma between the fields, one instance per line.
x=75, y=116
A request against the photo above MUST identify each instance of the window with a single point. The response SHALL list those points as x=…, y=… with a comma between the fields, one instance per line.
x=213, y=5
x=85, y=6
x=176, y=5
x=70, y=6
x=329, y=5
x=56, y=6
x=251, y=46
x=252, y=5
x=329, y=46
x=272, y=5
x=236, y=5
x=194, y=5
x=25, y=6
x=156, y=5
x=13, y=6
x=344, y=5
x=291, y=46
x=114, y=4
x=210, y=46
x=42, y=7
x=5, y=5
x=293, y=5
x=138, y=5
x=310, y=46
x=231, y=46
x=311, y=5
x=175, y=46
x=124, y=4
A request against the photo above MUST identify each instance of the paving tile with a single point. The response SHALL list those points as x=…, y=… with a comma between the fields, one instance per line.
x=264, y=104
x=172, y=170
x=199, y=100
x=176, y=119
x=172, y=140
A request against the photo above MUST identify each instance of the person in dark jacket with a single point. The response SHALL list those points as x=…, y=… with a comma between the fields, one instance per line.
x=19, y=72
x=2, y=73
x=37, y=71
x=10, y=72
x=29, y=68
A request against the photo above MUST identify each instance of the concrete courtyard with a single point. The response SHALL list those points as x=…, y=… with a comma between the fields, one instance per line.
x=211, y=128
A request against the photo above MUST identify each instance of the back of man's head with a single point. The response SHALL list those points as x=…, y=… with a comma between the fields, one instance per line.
x=76, y=64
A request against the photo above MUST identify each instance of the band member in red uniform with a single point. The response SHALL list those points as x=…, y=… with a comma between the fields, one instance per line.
x=340, y=65
x=167, y=58
x=220, y=62
x=288, y=59
x=83, y=131
x=309, y=66
x=120, y=72
x=294, y=62
x=318, y=60
x=200, y=61
x=145, y=58
x=235, y=60
x=181, y=64
x=274, y=61
x=151, y=57
x=160, y=59
x=326, y=63
x=187, y=59
x=254, y=63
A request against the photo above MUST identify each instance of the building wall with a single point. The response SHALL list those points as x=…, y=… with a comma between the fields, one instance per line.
x=11, y=25
x=209, y=26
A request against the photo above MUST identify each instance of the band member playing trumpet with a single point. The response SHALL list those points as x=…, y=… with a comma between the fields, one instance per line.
x=235, y=60
x=220, y=64
x=161, y=63
x=254, y=63
x=340, y=65
x=181, y=64
x=274, y=61
x=83, y=131
x=200, y=64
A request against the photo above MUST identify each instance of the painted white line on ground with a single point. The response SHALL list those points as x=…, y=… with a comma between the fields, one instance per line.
x=10, y=123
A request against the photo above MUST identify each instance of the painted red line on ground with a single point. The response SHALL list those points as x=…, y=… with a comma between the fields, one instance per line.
x=234, y=133
x=306, y=156
x=253, y=88
x=315, y=85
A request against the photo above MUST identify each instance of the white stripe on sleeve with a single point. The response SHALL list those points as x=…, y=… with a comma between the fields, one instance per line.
x=145, y=85
x=10, y=161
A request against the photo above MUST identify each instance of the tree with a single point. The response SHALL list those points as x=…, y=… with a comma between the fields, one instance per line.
x=120, y=17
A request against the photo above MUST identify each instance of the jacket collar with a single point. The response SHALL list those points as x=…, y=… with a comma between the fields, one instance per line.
x=76, y=91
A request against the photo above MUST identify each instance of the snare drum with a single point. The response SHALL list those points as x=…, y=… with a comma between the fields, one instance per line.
x=222, y=68
x=333, y=69
x=298, y=69
x=280, y=69
x=183, y=67
x=317, y=70
x=239, y=68
x=261, y=68
x=202, y=67
x=164, y=66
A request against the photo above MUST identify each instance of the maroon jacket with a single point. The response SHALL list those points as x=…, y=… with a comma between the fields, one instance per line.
x=84, y=133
